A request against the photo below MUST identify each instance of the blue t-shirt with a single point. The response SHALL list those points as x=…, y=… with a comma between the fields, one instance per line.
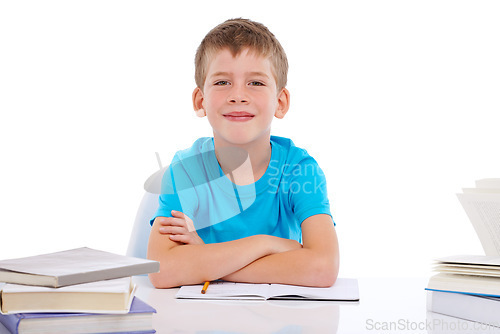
x=292, y=189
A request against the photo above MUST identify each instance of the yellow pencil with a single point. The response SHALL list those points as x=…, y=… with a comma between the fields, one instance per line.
x=205, y=287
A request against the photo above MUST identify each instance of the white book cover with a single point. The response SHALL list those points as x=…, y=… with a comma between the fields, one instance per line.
x=75, y=266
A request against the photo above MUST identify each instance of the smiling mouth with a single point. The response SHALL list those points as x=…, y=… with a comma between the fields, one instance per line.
x=238, y=116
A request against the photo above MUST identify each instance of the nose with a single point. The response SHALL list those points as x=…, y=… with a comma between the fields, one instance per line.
x=237, y=95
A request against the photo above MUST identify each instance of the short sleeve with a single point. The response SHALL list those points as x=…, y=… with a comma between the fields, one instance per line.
x=307, y=191
x=177, y=192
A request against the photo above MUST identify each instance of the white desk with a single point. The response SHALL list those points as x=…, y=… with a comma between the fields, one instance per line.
x=391, y=305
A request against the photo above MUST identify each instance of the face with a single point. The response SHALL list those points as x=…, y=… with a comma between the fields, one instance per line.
x=240, y=97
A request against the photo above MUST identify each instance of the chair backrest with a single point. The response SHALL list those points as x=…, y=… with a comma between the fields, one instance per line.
x=138, y=243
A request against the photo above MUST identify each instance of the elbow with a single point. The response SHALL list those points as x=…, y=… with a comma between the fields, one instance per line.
x=327, y=276
x=325, y=272
x=157, y=281
x=163, y=279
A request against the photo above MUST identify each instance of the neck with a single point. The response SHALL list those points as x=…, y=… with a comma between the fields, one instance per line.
x=256, y=156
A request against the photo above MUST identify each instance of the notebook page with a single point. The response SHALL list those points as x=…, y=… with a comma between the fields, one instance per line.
x=343, y=289
x=225, y=290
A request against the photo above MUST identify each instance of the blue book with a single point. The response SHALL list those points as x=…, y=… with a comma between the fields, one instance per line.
x=138, y=320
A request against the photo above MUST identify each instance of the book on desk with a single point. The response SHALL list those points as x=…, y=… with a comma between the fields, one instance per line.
x=137, y=320
x=108, y=296
x=74, y=266
x=344, y=289
x=471, y=295
x=468, y=286
x=104, y=303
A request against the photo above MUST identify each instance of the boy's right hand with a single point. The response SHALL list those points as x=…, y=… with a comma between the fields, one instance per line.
x=180, y=228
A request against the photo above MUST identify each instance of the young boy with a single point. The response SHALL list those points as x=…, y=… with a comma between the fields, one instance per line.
x=243, y=206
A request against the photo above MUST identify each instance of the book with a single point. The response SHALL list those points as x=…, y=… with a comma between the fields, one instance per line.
x=464, y=306
x=466, y=287
x=344, y=289
x=466, y=284
x=482, y=206
x=491, y=183
x=475, y=274
x=475, y=265
x=75, y=266
x=109, y=296
x=137, y=320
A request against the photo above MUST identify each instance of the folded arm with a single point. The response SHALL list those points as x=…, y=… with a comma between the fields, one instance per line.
x=316, y=264
x=193, y=263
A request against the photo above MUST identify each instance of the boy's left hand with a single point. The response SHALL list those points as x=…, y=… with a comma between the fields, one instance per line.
x=181, y=229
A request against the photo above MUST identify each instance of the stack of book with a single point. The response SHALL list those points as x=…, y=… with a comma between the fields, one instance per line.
x=468, y=287
x=76, y=291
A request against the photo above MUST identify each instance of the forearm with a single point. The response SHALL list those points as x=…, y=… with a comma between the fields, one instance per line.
x=193, y=264
x=316, y=264
x=298, y=267
x=182, y=264
x=258, y=259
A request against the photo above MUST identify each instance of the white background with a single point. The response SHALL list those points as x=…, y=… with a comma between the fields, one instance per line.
x=397, y=101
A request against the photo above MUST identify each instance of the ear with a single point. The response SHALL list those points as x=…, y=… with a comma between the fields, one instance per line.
x=283, y=103
x=198, y=101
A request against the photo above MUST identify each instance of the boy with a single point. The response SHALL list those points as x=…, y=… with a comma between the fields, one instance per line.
x=280, y=230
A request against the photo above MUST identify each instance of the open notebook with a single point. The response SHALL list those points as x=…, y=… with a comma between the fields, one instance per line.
x=345, y=289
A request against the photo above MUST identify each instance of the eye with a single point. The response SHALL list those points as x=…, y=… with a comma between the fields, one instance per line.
x=256, y=83
x=221, y=83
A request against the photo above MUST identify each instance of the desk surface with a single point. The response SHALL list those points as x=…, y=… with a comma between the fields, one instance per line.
x=391, y=305
x=387, y=305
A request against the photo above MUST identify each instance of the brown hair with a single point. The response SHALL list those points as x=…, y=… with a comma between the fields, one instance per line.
x=236, y=35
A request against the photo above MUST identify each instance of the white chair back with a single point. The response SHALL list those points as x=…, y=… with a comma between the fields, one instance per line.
x=138, y=243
